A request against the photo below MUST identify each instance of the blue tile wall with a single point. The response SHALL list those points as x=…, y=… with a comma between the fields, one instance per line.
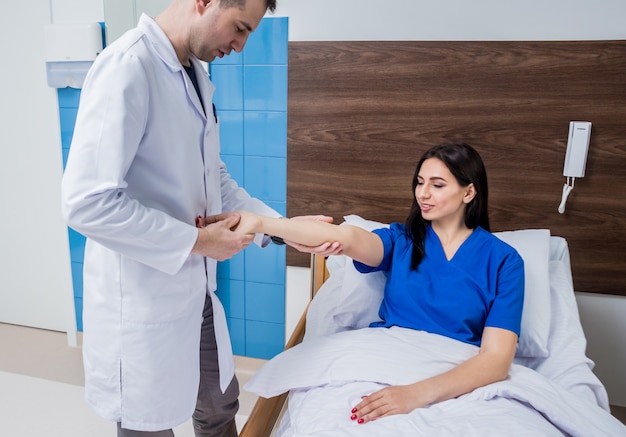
x=257, y=298
x=265, y=134
x=257, y=335
x=264, y=177
x=233, y=269
x=236, y=166
x=251, y=102
x=231, y=133
x=237, y=329
x=269, y=44
x=280, y=207
x=265, y=266
x=229, y=95
x=68, y=108
x=232, y=296
x=265, y=87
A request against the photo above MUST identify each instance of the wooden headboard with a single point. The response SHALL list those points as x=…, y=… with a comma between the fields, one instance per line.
x=362, y=113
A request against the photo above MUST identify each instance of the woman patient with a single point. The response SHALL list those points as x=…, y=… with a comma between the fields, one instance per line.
x=446, y=274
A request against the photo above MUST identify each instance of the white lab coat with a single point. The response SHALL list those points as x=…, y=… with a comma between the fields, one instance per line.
x=134, y=182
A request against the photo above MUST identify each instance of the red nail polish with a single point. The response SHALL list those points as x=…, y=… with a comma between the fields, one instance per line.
x=354, y=410
x=361, y=420
x=353, y=417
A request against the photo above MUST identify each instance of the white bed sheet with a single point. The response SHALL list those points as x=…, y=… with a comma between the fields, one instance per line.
x=556, y=395
x=526, y=404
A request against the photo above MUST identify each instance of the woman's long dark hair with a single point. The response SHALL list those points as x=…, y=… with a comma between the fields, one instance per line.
x=466, y=165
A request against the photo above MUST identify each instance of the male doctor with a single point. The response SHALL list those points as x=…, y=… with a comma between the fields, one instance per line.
x=144, y=165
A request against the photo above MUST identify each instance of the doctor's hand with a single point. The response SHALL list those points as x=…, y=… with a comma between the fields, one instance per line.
x=201, y=222
x=325, y=249
x=216, y=238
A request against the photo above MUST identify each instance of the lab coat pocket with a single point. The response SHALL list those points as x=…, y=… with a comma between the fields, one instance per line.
x=160, y=372
x=152, y=296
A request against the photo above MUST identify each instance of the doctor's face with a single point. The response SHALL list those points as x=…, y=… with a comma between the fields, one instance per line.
x=220, y=30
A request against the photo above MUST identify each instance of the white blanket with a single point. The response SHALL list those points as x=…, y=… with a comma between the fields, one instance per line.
x=328, y=375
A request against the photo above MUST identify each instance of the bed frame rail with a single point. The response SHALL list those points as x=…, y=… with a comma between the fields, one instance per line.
x=265, y=413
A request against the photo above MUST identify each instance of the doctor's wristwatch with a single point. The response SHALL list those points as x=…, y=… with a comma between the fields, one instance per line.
x=276, y=240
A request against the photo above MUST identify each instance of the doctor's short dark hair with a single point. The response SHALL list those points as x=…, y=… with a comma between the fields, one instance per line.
x=270, y=4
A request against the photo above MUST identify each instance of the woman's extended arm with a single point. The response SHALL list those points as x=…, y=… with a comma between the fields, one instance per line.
x=490, y=365
x=357, y=243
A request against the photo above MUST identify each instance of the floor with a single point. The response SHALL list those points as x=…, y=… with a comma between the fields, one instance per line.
x=40, y=373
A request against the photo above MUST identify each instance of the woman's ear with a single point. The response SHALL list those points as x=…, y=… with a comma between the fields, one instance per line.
x=470, y=193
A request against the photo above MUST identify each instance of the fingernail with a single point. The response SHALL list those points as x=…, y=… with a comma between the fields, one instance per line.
x=361, y=420
x=353, y=417
x=354, y=410
x=363, y=397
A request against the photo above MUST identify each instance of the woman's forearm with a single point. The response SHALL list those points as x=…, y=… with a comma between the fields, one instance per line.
x=357, y=243
x=477, y=372
x=490, y=365
x=305, y=232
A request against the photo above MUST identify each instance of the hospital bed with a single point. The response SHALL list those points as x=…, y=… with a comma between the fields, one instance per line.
x=333, y=359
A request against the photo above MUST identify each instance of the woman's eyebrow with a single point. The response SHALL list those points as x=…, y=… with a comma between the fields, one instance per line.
x=433, y=178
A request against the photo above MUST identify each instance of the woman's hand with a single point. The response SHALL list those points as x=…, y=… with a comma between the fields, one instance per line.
x=399, y=399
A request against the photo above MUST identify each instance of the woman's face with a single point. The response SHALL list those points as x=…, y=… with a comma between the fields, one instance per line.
x=439, y=195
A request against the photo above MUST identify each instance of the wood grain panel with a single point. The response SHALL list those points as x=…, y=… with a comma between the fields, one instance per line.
x=362, y=113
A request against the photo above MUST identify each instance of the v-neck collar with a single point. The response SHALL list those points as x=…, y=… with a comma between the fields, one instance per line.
x=440, y=249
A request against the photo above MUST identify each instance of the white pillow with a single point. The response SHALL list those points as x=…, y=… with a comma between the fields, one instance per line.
x=348, y=299
x=357, y=301
x=320, y=315
x=361, y=293
x=533, y=245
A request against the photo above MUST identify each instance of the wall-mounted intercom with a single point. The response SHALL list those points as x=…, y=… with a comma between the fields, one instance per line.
x=575, y=156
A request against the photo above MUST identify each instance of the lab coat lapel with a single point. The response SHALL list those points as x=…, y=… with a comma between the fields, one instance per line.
x=206, y=86
x=191, y=90
x=164, y=49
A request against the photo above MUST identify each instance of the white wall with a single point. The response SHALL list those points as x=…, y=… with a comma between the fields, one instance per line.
x=68, y=11
x=603, y=317
x=36, y=280
x=332, y=20
x=604, y=321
